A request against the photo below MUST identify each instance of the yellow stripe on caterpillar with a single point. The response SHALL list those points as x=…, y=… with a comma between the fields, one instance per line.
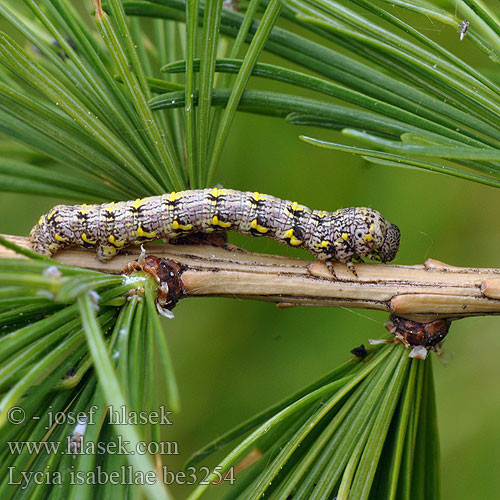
x=143, y=234
x=110, y=206
x=175, y=196
x=138, y=203
x=291, y=237
x=176, y=226
x=261, y=229
x=115, y=242
x=87, y=240
x=217, y=222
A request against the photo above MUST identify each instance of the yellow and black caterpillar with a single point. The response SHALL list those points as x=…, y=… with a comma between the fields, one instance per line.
x=345, y=235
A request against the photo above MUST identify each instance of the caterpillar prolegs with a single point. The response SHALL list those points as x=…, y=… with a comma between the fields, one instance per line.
x=345, y=235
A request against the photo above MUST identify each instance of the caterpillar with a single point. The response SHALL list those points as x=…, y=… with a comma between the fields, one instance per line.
x=345, y=235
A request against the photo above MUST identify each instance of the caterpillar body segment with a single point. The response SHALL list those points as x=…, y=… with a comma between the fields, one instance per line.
x=344, y=235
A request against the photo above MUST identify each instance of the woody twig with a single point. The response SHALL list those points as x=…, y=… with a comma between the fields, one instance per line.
x=422, y=292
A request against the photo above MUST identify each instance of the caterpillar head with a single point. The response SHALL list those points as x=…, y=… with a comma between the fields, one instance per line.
x=363, y=232
x=390, y=246
x=41, y=238
x=375, y=238
x=44, y=238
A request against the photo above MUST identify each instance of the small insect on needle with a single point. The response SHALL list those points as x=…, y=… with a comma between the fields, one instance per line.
x=464, y=25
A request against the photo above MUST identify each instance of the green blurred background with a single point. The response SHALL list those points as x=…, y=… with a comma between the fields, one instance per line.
x=234, y=358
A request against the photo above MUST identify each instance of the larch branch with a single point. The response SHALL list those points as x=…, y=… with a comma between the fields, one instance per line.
x=421, y=292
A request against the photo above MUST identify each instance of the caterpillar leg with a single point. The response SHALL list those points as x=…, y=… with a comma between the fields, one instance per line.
x=329, y=265
x=106, y=252
x=350, y=265
x=318, y=271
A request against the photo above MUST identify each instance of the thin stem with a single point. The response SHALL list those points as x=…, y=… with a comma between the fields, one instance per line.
x=433, y=290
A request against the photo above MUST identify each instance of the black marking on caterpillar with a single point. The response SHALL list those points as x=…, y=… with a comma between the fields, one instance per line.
x=345, y=235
